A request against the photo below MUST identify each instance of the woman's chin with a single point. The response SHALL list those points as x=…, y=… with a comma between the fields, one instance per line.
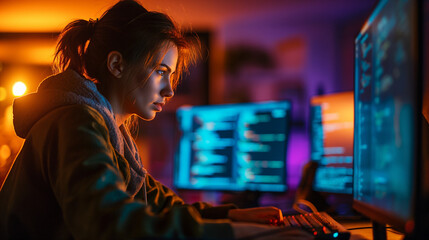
x=148, y=117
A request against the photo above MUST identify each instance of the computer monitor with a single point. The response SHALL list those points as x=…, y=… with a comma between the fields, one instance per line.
x=233, y=147
x=388, y=102
x=331, y=142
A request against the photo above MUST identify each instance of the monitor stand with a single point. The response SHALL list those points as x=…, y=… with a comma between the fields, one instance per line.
x=378, y=231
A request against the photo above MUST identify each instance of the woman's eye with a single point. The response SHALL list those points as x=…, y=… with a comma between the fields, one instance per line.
x=160, y=72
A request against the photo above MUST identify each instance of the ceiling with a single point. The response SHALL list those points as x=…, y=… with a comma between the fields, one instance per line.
x=26, y=26
x=53, y=15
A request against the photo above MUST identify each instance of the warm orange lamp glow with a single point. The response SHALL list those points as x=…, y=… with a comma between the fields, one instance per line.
x=5, y=153
x=19, y=89
x=3, y=94
x=8, y=128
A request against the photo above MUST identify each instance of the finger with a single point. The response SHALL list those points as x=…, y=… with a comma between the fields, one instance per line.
x=280, y=215
x=276, y=213
x=276, y=219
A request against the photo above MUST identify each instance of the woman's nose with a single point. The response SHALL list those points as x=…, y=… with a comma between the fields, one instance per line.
x=167, y=90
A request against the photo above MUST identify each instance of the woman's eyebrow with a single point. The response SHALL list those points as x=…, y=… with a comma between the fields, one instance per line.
x=166, y=66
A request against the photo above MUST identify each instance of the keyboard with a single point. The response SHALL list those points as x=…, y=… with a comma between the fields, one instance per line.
x=320, y=224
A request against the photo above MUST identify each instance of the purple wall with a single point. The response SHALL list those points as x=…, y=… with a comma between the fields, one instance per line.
x=310, y=51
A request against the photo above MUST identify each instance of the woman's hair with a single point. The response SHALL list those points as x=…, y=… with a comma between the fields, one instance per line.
x=127, y=27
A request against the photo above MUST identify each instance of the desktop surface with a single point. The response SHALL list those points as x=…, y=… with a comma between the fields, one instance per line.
x=362, y=230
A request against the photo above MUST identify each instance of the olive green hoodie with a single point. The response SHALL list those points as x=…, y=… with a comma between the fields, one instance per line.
x=71, y=180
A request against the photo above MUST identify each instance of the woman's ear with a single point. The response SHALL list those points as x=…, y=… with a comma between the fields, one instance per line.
x=115, y=63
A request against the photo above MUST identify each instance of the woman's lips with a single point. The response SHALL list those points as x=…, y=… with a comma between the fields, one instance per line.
x=158, y=106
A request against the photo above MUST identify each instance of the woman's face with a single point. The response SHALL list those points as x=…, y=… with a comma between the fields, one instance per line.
x=147, y=99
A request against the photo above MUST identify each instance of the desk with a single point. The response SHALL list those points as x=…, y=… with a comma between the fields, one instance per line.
x=365, y=233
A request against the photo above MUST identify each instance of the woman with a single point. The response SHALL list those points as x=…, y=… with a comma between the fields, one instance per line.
x=79, y=175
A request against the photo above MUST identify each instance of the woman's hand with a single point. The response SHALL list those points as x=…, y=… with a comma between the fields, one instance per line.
x=267, y=215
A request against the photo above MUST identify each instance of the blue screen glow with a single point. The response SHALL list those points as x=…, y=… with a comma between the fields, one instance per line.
x=233, y=147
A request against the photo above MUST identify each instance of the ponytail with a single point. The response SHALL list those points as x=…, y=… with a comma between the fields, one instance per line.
x=72, y=45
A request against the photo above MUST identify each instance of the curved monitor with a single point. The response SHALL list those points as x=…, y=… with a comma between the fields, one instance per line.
x=233, y=147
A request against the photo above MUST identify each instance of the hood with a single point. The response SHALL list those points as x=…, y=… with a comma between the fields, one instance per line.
x=58, y=90
x=69, y=88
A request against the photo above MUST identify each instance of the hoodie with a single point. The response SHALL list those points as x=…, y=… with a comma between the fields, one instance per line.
x=79, y=176
x=70, y=88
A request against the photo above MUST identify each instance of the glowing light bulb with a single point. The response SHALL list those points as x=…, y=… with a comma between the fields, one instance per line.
x=19, y=89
